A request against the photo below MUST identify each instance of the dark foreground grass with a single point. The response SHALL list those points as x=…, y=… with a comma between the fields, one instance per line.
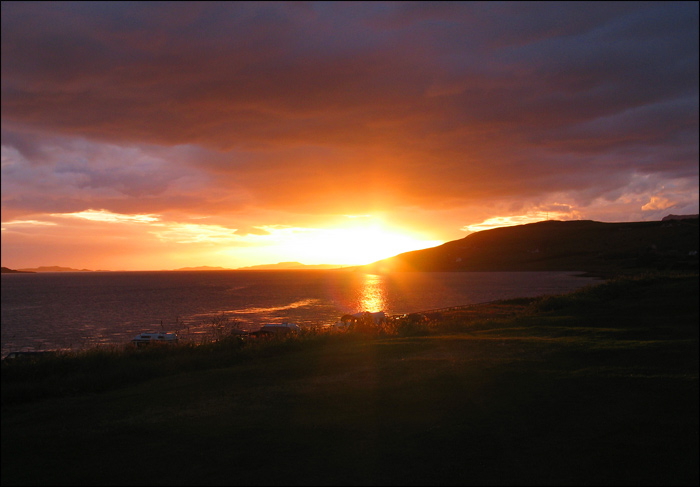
x=597, y=387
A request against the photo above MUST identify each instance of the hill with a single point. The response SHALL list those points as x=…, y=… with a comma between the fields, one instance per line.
x=581, y=245
x=288, y=266
x=7, y=270
x=203, y=268
x=54, y=268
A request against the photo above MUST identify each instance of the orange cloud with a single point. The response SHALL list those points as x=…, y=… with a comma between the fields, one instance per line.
x=247, y=115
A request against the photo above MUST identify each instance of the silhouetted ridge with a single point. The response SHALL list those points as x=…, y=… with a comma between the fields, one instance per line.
x=580, y=245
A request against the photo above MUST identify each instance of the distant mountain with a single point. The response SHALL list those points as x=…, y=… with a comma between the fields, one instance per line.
x=581, y=245
x=203, y=268
x=7, y=270
x=288, y=266
x=54, y=268
x=678, y=217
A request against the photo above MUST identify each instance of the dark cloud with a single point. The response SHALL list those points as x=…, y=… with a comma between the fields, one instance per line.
x=297, y=105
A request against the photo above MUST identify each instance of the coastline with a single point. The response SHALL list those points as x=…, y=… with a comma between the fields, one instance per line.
x=40, y=311
x=583, y=388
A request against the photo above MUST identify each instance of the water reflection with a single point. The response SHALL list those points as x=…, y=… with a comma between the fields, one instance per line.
x=121, y=305
x=373, y=293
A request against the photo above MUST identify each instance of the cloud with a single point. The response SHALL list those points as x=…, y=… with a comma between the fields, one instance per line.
x=258, y=113
x=29, y=223
x=193, y=233
x=108, y=216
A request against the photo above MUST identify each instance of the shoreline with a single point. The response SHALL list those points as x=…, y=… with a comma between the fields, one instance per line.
x=594, y=387
x=189, y=302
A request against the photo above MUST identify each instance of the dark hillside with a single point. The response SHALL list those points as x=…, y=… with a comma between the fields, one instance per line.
x=581, y=245
x=7, y=270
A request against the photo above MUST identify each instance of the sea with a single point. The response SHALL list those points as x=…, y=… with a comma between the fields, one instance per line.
x=75, y=310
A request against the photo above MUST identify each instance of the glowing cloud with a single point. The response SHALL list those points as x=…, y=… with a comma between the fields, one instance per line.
x=29, y=223
x=509, y=221
x=658, y=203
x=187, y=233
x=108, y=216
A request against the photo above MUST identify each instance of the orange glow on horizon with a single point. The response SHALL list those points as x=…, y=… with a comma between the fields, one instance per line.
x=156, y=242
x=354, y=244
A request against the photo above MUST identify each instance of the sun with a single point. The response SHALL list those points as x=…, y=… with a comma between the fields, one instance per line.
x=354, y=245
x=342, y=243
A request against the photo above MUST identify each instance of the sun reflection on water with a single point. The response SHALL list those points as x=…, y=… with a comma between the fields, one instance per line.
x=373, y=294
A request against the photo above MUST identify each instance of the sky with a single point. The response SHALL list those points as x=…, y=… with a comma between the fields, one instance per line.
x=149, y=135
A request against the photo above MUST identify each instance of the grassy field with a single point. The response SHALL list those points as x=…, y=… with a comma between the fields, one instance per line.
x=597, y=387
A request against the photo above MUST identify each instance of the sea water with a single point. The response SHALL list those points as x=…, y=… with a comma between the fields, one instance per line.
x=73, y=310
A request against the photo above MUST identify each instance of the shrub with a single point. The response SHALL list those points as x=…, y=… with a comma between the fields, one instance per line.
x=414, y=324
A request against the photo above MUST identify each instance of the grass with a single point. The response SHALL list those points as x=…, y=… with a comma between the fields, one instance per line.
x=596, y=387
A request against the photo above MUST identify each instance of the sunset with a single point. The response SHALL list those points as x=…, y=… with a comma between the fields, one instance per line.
x=350, y=243
x=155, y=136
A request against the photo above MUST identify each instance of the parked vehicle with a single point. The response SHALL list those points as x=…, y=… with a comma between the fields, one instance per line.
x=277, y=329
x=376, y=317
x=29, y=355
x=155, y=337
